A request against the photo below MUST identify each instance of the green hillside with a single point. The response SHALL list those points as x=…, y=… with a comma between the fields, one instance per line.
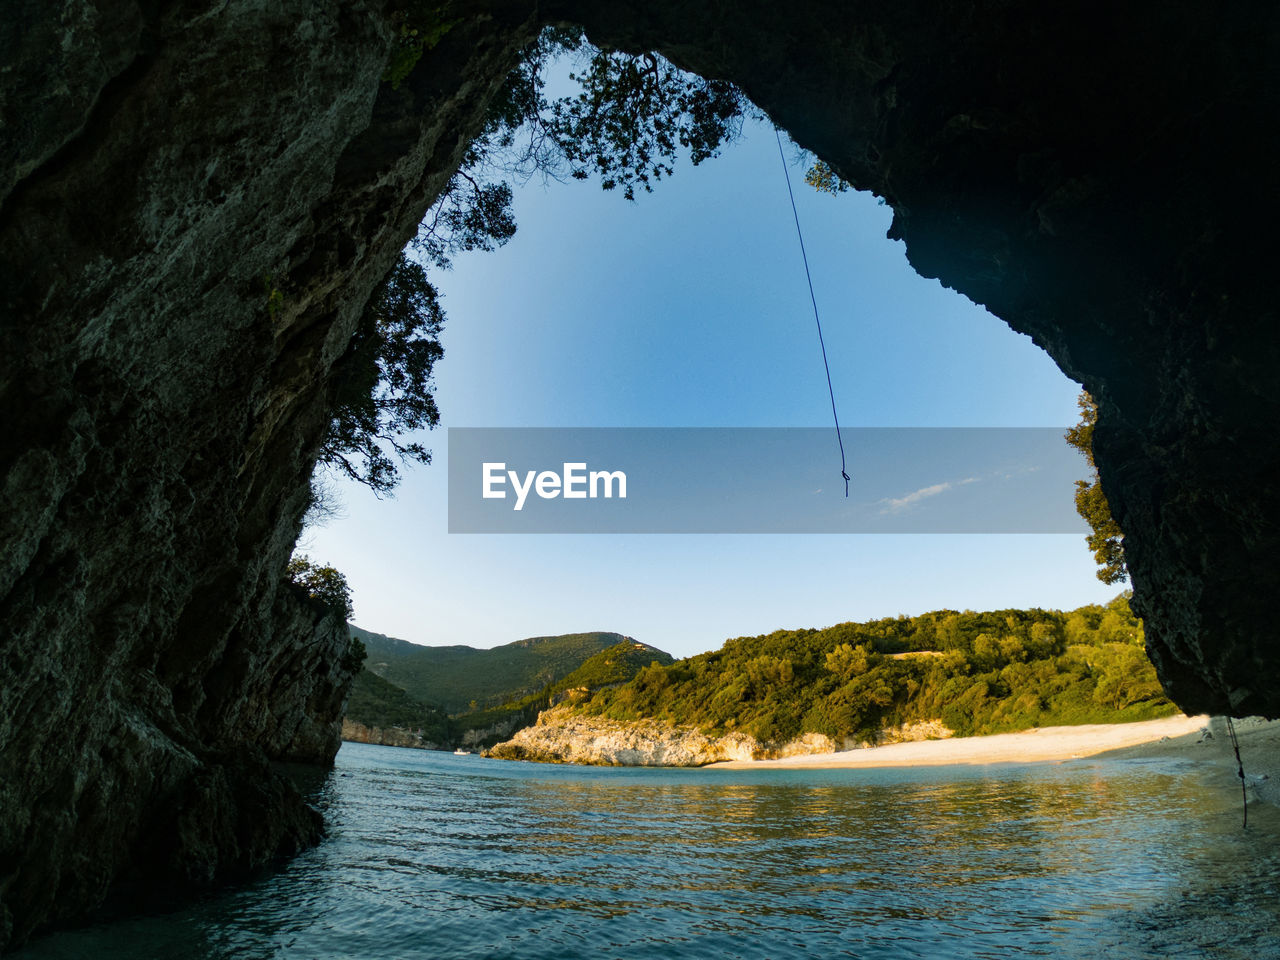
x=617, y=664
x=377, y=703
x=614, y=665
x=454, y=677
x=979, y=673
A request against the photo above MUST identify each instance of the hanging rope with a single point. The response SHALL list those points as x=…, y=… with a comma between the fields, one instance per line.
x=814, y=300
x=1244, y=793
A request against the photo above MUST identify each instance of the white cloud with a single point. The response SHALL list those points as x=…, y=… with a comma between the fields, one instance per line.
x=900, y=503
x=896, y=504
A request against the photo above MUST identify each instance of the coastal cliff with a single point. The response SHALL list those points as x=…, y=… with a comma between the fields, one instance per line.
x=355, y=732
x=562, y=735
x=196, y=200
x=471, y=739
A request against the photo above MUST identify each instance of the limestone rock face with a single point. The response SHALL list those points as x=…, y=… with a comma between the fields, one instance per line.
x=563, y=735
x=387, y=736
x=477, y=738
x=196, y=199
x=474, y=739
x=164, y=168
x=913, y=732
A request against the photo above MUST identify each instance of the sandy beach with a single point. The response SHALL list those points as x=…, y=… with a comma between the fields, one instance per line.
x=1028, y=746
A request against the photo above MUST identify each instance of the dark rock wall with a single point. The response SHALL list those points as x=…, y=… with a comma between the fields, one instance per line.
x=166, y=166
x=1100, y=178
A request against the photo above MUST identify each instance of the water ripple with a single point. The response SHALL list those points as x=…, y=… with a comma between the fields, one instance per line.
x=459, y=858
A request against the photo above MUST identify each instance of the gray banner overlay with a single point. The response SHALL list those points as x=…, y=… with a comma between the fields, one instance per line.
x=762, y=480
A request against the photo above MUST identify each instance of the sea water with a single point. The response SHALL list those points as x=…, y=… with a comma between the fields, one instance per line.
x=433, y=855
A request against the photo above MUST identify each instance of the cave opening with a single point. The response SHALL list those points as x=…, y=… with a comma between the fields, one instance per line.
x=688, y=307
x=194, y=210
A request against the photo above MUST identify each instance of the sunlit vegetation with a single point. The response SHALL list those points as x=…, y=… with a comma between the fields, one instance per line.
x=615, y=665
x=321, y=582
x=1105, y=539
x=618, y=664
x=979, y=673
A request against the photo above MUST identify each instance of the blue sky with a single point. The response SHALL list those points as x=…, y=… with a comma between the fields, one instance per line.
x=689, y=308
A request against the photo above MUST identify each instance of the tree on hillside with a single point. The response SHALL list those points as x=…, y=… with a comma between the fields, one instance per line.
x=323, y=583
x=1091, y=502
x=997, y=671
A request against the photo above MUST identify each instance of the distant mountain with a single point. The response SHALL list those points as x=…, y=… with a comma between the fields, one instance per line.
x=459, y=679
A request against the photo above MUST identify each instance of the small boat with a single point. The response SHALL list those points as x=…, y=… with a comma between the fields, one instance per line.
x=461, y=753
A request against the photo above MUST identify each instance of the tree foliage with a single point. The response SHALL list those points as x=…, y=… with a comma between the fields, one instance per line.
x=353, y=660
x=471, y=214
x=631, y=118
x=382, y=384
x=322, y=582
x=635, y=114
x=375, y=702
x=1105, y=540
x=822, y=178
x=977, y=672
x=610, y=667
x=452, y=677
x=617, y=664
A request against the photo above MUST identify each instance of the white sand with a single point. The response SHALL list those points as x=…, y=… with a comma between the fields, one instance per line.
x=1028, y=746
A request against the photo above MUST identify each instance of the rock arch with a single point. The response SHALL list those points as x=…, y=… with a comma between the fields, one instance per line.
x=1100, y=176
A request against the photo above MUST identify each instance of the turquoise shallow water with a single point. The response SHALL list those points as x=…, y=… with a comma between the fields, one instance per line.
x=437, y=856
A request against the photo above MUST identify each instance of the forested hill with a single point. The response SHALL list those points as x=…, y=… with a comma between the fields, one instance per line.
x=979, y=673
x=460, y=678
x=379, y=704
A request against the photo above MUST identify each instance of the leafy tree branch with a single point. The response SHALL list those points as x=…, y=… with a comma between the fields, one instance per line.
x=631, y=119
x=1106, y=538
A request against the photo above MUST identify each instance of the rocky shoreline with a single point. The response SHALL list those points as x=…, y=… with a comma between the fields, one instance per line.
x=562, y=735
x=353, y=732
x=1210, y=748
x=475, y=739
